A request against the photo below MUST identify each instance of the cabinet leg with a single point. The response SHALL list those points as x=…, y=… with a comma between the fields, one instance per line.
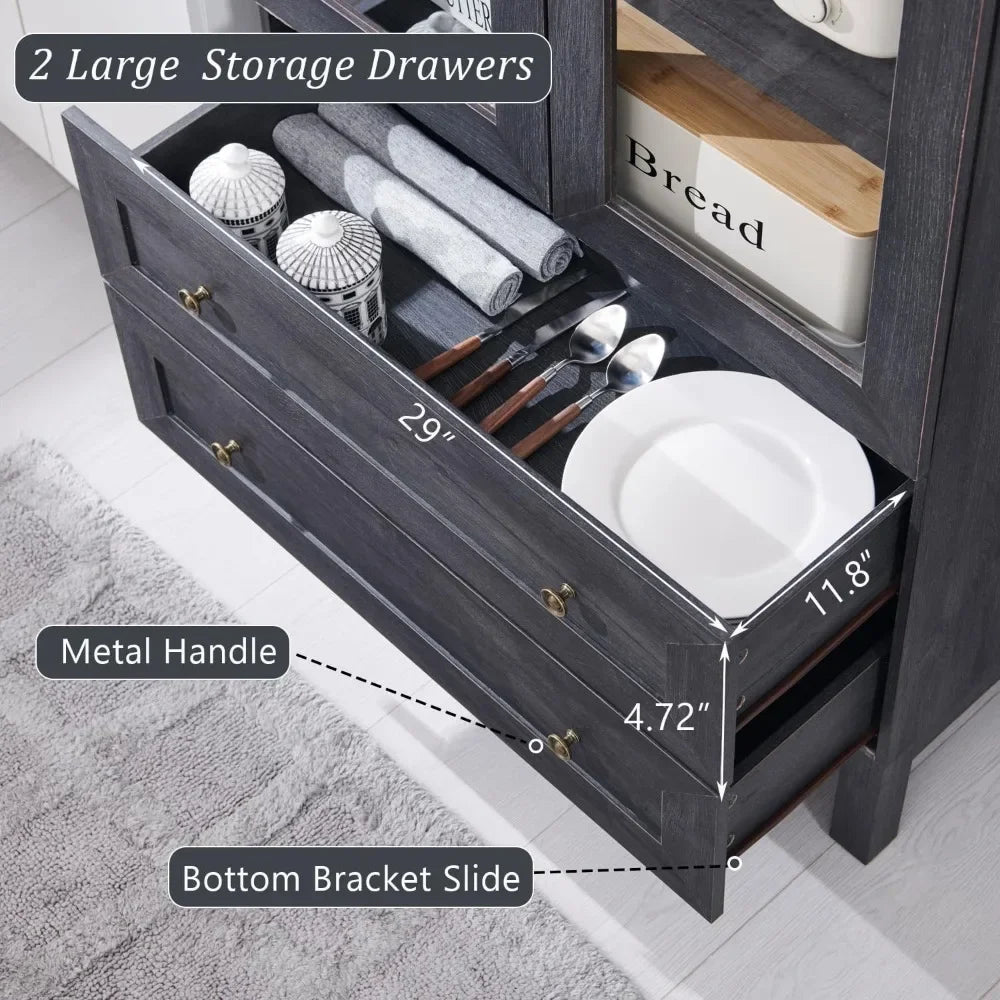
x=869, y=803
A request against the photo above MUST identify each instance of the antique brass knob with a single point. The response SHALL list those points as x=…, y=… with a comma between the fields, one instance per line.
x=192, y=300
x=555, y=600
x=224, y=452
x=560, y=745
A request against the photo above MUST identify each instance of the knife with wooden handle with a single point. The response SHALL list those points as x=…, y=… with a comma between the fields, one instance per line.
x=543, y=336
x=526, y=304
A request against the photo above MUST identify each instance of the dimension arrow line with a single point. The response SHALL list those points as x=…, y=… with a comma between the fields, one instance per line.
x=152, y=174
x=895, y=501
x=721, y=784
x=147, y=171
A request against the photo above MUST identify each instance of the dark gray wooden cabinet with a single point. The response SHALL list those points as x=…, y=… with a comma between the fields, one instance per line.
x=446, y=546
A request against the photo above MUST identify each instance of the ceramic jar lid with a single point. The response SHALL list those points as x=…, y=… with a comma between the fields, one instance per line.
x=330, y=251
x=238, y=184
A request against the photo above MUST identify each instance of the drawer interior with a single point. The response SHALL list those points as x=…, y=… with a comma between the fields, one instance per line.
x=427, y=316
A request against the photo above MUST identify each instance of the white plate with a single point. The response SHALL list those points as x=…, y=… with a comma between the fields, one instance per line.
x=728, y=482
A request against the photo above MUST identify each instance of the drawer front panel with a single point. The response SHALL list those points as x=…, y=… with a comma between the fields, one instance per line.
x=196, y=409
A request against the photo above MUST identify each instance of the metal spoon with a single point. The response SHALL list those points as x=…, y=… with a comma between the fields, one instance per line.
x=634, y=365
x=592, y=341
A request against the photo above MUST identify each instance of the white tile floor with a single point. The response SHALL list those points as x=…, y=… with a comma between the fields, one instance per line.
x=803, y=919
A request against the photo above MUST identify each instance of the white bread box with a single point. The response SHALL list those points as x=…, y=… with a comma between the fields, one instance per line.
x=745, y=181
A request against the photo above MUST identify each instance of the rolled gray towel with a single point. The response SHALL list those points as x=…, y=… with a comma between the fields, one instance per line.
x=353, y=179
x=530, y=239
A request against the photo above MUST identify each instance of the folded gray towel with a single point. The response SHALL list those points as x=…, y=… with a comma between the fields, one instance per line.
x=357, y=182
x=529, y=238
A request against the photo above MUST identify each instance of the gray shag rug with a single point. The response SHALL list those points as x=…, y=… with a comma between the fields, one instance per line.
x=101, y=780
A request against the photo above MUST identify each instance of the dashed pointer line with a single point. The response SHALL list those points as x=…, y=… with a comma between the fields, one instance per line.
x=637, y=868
x=410, y=697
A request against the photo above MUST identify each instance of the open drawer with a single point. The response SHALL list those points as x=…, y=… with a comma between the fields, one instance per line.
x=671, y=820
x=462, y=496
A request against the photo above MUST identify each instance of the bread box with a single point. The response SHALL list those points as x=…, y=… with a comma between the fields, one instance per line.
x=746, y=181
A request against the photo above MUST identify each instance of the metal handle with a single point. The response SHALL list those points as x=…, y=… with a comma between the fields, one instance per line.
x=555, y=600
x=561, y=745
x=192, y=300
x=224, y=452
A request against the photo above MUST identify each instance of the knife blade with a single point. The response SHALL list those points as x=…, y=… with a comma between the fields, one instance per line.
x=543, y=335
x=518, y=310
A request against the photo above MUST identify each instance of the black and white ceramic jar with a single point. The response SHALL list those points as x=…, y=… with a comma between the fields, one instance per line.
x=338, y=257
x=245, y=188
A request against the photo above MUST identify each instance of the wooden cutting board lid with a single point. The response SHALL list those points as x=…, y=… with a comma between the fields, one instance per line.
x=681, y=82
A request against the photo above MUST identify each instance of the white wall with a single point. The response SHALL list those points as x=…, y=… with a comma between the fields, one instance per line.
x=20, y=117
x=40, y=125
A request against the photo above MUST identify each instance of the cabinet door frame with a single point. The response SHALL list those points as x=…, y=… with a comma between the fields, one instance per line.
x=944, y=54
x=509, y=140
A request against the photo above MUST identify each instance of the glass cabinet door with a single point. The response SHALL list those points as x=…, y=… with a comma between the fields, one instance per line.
x=787, y=174
x=511, y=141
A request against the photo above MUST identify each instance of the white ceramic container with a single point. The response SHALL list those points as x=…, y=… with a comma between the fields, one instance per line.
x=744, y=182
x=338, y=257
x=245, y=188
x=870, y=27
x=477, y=15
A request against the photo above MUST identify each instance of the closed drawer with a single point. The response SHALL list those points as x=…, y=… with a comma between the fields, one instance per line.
x=465, y=498
x=655, y=806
